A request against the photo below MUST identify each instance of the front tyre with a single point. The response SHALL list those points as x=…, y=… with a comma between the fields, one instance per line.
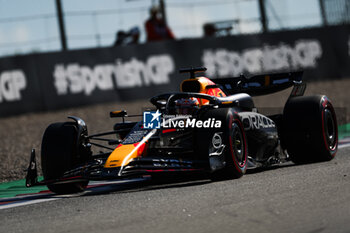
x=59, y=153
x=238, y=150
x=231, y=161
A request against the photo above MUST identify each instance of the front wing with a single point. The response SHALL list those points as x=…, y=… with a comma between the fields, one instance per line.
x=95, y=170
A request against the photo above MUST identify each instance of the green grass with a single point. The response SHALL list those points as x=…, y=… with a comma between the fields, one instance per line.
x=17, y=187
x=344, y=131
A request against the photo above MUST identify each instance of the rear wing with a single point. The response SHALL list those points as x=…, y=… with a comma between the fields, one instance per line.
x=263, y=84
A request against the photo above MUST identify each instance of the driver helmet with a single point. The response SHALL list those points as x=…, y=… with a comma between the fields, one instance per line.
x=186, y=106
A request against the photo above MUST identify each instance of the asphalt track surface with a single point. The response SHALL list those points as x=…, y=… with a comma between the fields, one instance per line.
x=305, y=198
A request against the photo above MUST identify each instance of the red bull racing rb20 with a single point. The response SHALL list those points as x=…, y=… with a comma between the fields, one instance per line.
x=211, y=127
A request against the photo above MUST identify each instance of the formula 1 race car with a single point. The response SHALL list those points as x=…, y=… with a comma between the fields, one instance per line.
x=210, y=127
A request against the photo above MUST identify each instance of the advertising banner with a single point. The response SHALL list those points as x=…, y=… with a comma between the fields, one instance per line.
x=57, y=80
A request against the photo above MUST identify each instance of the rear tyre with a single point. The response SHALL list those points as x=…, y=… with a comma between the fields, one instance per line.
x=59, y=153
x=310, y=132
x=232, y=163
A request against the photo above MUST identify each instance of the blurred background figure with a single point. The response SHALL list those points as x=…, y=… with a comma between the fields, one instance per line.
x=156, y=28
x=134, y=35
x=120, y=38
x=127, y=38
x=220, y=28
x=209, y=30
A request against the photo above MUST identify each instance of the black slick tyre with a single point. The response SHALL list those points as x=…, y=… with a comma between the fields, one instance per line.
x=59, y=154
x=310, y=132
x=234, y=157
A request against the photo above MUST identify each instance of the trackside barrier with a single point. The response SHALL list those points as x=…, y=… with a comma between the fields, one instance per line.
x=57, y=80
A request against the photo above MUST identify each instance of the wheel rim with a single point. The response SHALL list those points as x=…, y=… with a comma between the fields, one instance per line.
x=238, y=145
x=330, y=129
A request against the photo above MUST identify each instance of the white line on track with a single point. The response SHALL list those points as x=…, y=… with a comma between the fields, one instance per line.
x=345, y=142
x=23, y=200
x=344, y=145
x=23, y=203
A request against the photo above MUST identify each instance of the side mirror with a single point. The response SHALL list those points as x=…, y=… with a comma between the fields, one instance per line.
x=161, y=103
